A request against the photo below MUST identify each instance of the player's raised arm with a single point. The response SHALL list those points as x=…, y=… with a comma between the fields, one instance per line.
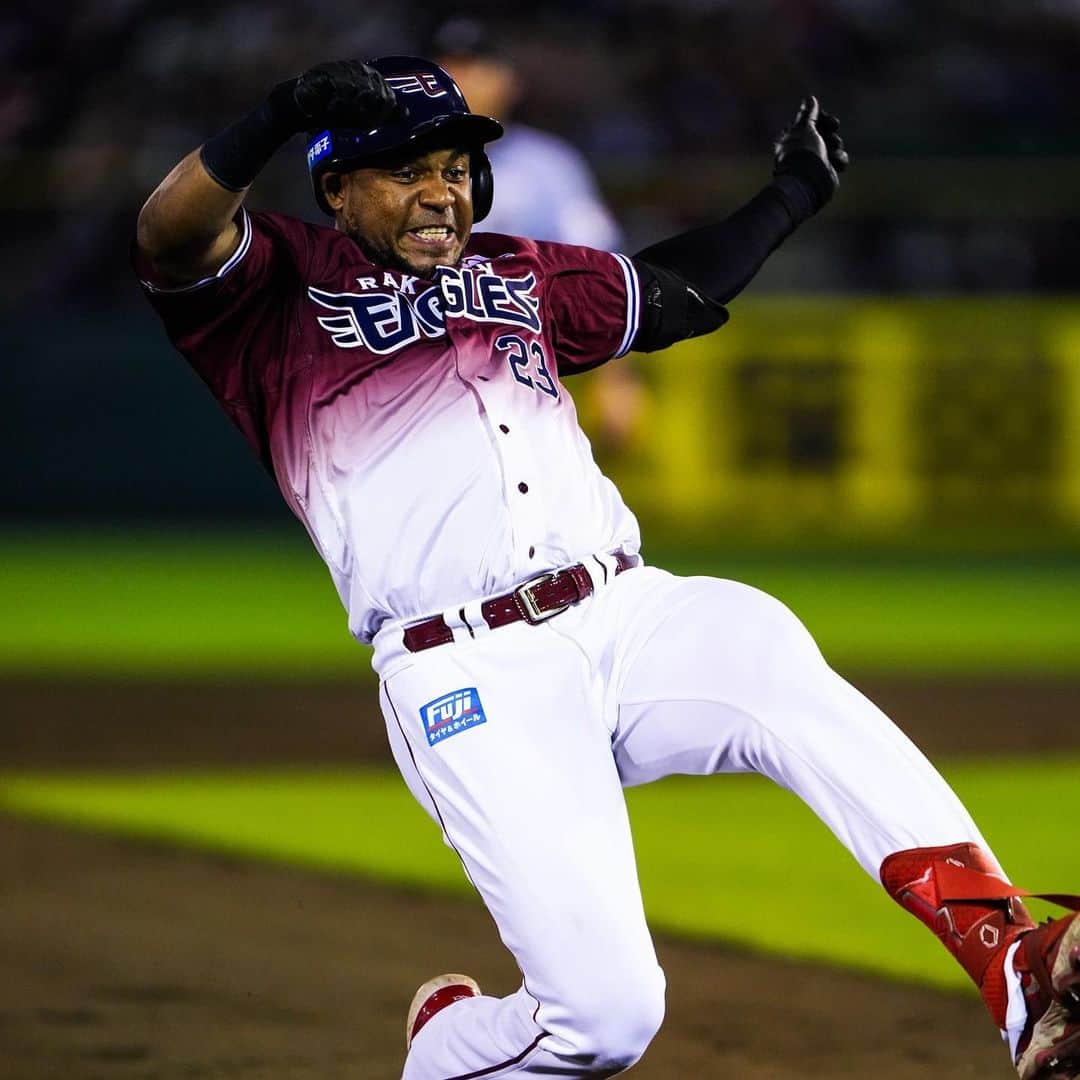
x=187, y=228
x=687, y=279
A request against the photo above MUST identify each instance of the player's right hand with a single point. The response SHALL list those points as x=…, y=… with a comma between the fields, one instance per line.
x=812, y=149
x=338, y=93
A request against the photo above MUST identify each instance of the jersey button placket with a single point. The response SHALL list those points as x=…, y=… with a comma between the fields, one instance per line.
x=521, y=471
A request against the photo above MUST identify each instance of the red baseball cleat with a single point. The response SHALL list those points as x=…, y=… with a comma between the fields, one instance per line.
x=1048, y=961
x=433, y=997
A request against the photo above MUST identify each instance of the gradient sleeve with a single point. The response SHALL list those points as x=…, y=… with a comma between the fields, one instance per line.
x=224, y=325
x=593, y=301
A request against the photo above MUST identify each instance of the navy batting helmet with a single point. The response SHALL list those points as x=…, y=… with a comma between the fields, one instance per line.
x=431, y=106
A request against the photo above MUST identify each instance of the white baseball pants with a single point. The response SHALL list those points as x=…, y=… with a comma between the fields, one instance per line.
x=652, y=675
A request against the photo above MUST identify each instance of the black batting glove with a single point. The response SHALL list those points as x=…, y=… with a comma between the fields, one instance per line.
x=338, y=93
x=811, y=150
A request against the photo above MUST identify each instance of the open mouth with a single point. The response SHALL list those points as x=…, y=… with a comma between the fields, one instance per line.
x=435, y=235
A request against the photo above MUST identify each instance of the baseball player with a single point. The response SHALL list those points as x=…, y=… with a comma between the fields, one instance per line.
x=404, y=382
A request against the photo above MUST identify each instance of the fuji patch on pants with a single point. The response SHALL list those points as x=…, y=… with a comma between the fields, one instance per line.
x=452, y=714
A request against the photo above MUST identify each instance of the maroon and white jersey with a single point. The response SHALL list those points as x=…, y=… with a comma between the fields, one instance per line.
x=418, y=428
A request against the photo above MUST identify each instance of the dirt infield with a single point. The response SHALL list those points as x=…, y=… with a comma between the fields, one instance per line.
x=126, y=959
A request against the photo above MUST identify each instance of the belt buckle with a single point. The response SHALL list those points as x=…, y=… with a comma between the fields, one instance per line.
x=526, y=602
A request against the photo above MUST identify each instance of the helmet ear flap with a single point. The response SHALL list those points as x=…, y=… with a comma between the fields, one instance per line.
x=483, y=184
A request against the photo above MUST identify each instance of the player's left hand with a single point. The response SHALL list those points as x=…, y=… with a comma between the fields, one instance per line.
x=337, y=93
x=811, y=148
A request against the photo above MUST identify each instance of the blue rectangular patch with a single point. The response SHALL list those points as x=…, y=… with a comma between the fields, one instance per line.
x=451, y=714
x=318, y=148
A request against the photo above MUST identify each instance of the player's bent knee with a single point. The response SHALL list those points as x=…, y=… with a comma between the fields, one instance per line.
x=768, y=629
x=614, y=1029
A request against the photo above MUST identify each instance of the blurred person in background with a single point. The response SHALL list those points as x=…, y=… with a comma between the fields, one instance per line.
x=546, y=191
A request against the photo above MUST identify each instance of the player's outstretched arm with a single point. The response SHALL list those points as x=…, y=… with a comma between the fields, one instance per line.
x=187, y=228
x=687, y=279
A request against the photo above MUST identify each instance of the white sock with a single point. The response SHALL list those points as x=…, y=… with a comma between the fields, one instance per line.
x=1016, y=1014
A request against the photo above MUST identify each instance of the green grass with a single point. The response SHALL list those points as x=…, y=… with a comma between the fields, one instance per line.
x=205, y=604
x=729, y=858
x=153, y=605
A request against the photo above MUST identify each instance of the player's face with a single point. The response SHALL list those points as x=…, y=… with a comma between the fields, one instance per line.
x=413, y=214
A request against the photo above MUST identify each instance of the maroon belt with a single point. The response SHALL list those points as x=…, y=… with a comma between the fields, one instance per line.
x=535, y=600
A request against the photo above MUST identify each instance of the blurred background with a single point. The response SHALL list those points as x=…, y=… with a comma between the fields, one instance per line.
x=907, y=364
x=903, y=376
